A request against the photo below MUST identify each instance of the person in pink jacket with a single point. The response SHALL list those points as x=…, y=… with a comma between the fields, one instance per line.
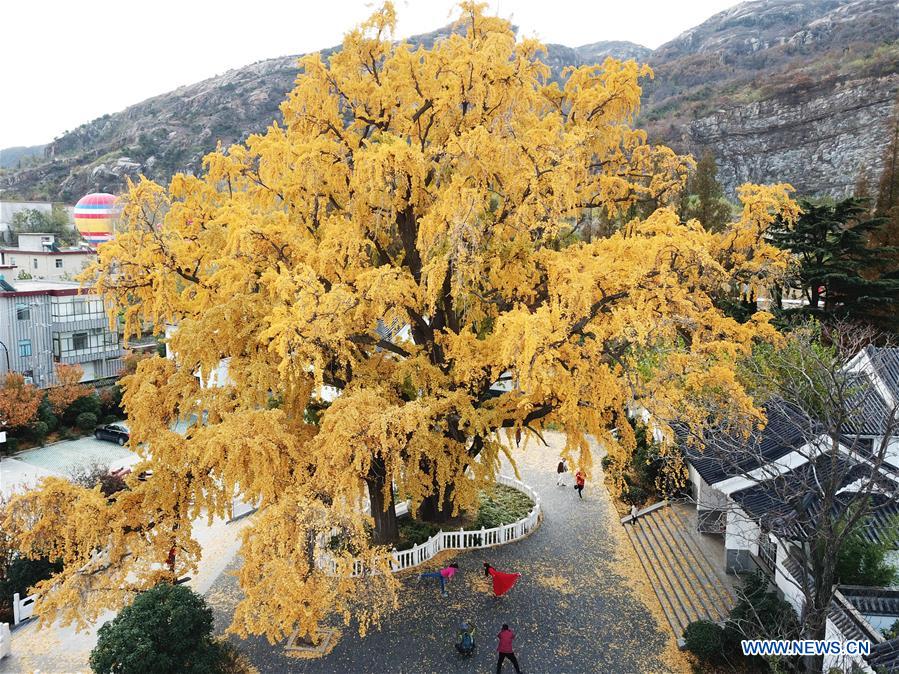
x=505, y=649
x=445, y=574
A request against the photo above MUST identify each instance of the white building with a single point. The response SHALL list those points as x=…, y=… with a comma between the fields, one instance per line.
x=38, y=257
x=743, y=498
x=43, y=323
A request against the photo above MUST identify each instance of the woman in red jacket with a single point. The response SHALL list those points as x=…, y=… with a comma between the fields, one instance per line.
x=505, y=649
x=579, y=480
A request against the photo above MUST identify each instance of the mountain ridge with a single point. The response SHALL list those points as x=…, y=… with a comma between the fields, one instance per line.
x=770, y=86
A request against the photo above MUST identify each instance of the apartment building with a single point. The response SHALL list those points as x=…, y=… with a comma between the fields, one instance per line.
x=38, y=256
x=43, y=323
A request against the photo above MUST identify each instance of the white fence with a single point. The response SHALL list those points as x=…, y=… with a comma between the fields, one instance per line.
x=22, y=609
x=461, y=539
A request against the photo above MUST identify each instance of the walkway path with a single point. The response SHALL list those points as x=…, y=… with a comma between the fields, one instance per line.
x=579, y=606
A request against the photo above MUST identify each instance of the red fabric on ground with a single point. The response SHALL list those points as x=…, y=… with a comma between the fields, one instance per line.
x=503, y=582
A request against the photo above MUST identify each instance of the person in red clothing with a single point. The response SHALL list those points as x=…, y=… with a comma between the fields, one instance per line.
x=502, y=582
x=579, y=480
x=505, y=648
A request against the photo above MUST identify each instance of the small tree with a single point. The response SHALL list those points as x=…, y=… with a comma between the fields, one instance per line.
x=704, y=196
x=68, y=390
x=18, y=401
x=96, y=474
x=827, y=413
x=166, y=629
x=57, y=222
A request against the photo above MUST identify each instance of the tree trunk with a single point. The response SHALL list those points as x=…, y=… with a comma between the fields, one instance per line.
x=816, y=628
x=431, y=510
x=383, y=510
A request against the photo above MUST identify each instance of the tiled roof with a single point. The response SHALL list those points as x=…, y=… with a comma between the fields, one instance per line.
x=886, y=364
x=883, y=601
x=868, y=409
x=768, y=502
x=727, y=456
x=884, y=657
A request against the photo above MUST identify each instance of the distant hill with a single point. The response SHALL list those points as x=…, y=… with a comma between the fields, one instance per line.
x=796, y=91
x=15, y=157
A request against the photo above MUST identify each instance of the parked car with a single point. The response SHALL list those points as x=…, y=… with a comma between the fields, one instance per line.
x=113, y=433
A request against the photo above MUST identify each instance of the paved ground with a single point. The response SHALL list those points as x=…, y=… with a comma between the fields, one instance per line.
x=577, y=608
x=25, y=469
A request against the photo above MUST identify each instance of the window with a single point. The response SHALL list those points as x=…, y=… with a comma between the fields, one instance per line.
x=24, y=348
x=67, y=309
x=34, y=262
x=12, y=260
x=58, y=263
x=23, y=312
x=79, y=341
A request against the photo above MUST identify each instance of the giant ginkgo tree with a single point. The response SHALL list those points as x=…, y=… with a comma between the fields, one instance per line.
x=407, y=238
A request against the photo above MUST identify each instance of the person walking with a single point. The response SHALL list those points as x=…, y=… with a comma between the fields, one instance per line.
x=633, y=514
x=445, y=574
x=561, y=469
x=505, y=649
x=580, y=480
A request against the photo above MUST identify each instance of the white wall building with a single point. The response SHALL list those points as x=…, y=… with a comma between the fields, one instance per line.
x=38, y=256
x=43, y=323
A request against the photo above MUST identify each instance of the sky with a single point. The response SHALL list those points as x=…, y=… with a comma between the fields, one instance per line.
x=66, y=63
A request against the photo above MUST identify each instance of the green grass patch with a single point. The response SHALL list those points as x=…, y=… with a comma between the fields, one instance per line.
x=504, y=506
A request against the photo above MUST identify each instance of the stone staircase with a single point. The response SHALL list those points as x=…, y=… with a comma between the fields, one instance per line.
x=686, y=582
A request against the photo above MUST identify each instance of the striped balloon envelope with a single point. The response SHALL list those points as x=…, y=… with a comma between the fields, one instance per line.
x=95, y=217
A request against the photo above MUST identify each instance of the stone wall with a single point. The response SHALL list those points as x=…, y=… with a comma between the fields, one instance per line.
x=818, y=142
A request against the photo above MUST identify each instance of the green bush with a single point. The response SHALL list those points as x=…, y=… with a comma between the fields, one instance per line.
x=863, y=562
x=11, y=445
x=167, y=629
x=705, y=640
x=504, y=506
x=39, y=431
x=635, y=495
x=413, y=532
x=86, y=421
x=760, y=614
x=89, y=403
x=45, y=414
x=110, y=419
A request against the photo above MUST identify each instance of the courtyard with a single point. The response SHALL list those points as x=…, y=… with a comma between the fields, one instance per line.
x=581, y=605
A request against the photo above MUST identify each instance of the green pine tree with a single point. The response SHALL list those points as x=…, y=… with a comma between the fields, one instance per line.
x=704, y=196
x=888, y=188
x=838, y=273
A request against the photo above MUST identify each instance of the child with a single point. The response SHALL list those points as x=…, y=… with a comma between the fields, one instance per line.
x=465, y=638
x=579, y=480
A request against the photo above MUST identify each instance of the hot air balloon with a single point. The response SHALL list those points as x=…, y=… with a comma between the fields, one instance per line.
x=95, y=216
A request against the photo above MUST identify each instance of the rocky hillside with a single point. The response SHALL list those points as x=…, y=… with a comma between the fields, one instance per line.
x=782, y=90
x=797, y=91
